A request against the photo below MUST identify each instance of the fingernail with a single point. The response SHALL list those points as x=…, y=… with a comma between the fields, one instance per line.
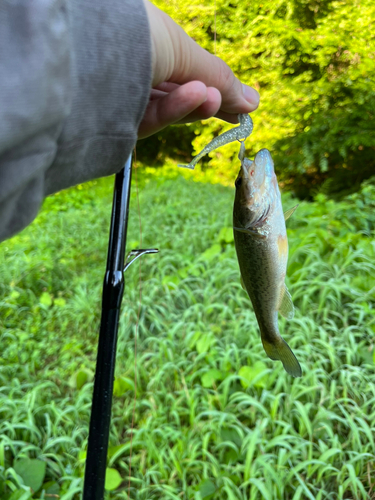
x=250, y=94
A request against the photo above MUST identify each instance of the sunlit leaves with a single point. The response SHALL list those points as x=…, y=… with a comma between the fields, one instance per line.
x=112, y=479
x=313, y=64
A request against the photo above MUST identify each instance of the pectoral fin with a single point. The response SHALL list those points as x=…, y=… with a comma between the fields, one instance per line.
x=251, y=232
x=282, y=352
x=242, y=283
x=286, y=307
x=290, y=212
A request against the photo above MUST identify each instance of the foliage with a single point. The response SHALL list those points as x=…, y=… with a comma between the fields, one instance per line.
x=313, y=62
x=214, y=417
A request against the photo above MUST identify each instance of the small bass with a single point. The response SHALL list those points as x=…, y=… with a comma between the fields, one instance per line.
x=262, y=251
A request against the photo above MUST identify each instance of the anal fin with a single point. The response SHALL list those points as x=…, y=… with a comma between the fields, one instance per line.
x=286, y=307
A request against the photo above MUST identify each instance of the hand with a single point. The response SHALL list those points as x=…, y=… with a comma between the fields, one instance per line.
x=189, y=83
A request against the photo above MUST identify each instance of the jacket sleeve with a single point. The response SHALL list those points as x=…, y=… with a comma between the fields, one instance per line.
x=75, y=77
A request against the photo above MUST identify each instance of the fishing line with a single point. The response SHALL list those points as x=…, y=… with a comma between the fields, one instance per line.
x=215, y=30
x=137, y=322
x=140, y=293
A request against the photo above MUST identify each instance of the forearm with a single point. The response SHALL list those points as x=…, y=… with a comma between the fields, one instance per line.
x=75, y=80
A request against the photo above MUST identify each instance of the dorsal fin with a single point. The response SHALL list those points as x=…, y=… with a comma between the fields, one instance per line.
x=290, y=212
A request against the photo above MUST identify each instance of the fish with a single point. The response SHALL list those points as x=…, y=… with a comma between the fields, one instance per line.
x=262, y=251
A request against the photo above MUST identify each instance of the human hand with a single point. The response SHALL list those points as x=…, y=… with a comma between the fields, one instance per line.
x=189, y=83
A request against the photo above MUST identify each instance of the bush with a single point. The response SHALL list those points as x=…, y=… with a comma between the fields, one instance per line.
x=313, y=63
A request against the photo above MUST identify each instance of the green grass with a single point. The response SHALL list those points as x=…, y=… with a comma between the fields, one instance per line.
x=214, y=418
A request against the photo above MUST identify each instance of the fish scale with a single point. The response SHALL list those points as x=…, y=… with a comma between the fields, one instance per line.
x=258, y=275
x=262, y=251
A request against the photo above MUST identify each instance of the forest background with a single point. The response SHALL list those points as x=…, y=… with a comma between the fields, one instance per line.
x=313, y=63
x=214, y=418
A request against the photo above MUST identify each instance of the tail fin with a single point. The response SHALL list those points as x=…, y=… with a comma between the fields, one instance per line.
x=281, y=351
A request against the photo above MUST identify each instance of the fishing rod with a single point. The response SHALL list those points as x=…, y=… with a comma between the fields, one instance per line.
x=113, y=290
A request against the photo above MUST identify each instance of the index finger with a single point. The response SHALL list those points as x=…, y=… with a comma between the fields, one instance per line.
x=177, y=58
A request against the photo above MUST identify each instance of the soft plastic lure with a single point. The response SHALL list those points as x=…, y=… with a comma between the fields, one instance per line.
x=239, y=133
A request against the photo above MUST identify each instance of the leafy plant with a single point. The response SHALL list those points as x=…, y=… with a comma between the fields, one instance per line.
x=313, y=63
x=214, y=417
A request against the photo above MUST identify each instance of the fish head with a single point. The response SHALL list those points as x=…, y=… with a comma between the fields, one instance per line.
x=256, y=187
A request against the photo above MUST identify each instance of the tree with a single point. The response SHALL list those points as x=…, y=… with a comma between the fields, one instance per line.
x=313, y=63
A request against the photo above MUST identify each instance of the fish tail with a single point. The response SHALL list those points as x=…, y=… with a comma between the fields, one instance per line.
x=282, y=352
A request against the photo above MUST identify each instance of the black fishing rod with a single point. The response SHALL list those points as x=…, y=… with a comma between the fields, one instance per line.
x=113, y=289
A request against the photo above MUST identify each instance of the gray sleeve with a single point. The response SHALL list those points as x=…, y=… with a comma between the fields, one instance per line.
x=75, y=77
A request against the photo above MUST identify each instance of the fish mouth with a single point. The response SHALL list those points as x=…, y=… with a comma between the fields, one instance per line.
x=256, y=171
x=263, y=157
x=246, y=168
x=252, y=178
x=263, y=161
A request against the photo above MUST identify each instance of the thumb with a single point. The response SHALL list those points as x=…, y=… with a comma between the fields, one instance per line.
x=179, y=59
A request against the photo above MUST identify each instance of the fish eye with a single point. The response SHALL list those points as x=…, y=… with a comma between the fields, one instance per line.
x=251, y=172
x=238, y=182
